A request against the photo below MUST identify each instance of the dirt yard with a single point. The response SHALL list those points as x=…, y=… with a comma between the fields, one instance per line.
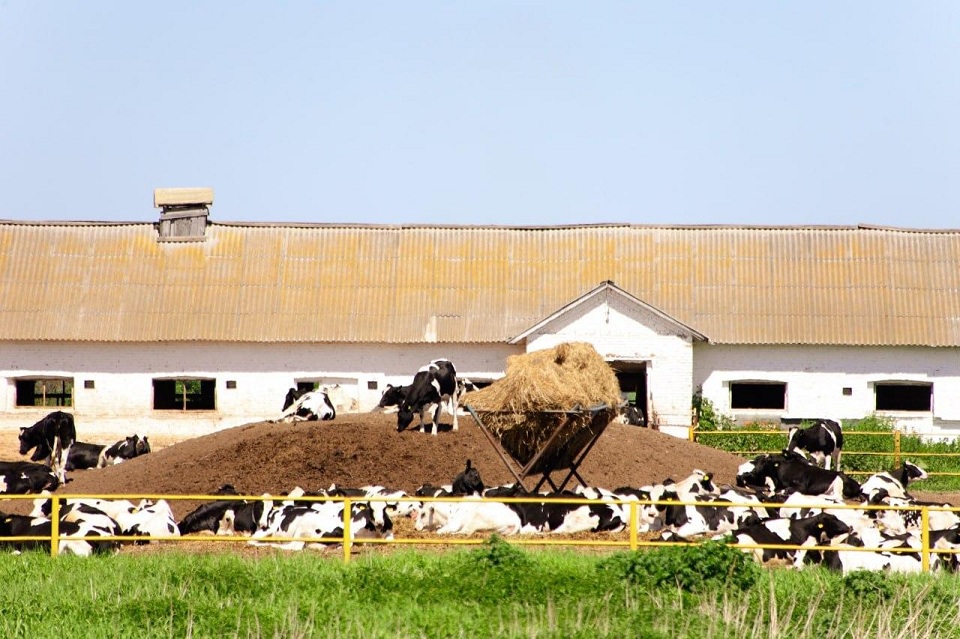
x=364, y=448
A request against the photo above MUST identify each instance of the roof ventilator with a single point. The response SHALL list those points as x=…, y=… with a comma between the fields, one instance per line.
x=183, y=213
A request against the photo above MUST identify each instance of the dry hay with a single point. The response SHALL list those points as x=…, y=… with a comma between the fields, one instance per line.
x=536, y=396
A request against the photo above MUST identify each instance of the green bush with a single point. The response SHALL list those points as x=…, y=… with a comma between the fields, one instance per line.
x=700, y=568
x=866, y=584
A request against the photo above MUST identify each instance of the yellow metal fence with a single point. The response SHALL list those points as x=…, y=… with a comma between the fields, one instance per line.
x=633, y=542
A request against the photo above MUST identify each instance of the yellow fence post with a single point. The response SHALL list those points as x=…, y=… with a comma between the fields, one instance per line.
x=692, y=433
x=54, y=526
x=925, y=539
x=347, y=518
x=896, y=449
x=633, y=525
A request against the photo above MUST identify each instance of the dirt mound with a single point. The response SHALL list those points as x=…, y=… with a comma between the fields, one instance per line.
x=358, y=449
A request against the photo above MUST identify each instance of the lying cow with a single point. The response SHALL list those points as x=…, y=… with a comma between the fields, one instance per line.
x=309, y=406
x=84, y=455
x=892, y=484
x=22, y=478
x=791, y=472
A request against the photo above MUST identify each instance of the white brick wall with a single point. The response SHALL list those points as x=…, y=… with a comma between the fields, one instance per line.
x=621, y=331
x=122, y=397
x=815, y=378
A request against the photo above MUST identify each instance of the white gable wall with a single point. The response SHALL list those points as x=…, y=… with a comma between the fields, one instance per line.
x=816, y=375
x=620, y=330
x=122, y=374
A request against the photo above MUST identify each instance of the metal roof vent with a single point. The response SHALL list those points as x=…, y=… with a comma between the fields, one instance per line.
x=183, y=213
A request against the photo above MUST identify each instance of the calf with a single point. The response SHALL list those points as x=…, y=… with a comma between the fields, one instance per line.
x=823, y=440
x=50, y=439
x=434, y=383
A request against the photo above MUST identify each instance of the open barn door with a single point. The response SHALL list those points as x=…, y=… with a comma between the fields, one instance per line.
x=632, y=377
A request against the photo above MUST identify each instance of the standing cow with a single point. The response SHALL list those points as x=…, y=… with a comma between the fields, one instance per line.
x=432, y=385
x=52, y=438
x=823, y=440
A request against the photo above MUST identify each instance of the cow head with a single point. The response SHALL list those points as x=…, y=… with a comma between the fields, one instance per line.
x=851, y=487
x=912, y=472
x=392, y=396
x=26, y=440
x=404, y=418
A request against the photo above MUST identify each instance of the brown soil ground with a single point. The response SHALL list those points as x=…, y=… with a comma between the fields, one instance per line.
x=360, y=449
x=364, y=448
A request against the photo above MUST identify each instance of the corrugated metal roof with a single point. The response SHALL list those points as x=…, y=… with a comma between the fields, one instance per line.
x=404, y=284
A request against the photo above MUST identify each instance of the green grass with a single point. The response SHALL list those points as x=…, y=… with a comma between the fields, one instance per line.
x=494, y=591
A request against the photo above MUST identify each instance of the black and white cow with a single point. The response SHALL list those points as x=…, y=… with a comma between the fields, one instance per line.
x=310, y=406
x=84, y=455
x=29, y=526
x=823, y=440
x=630, y=415
x=50, y=439
x=892, y=484
x=432, y=385
x=790, y=472
x=392, y=398
x=468, y=481
x=814, y=530
x=207, y=516
x=22, y=478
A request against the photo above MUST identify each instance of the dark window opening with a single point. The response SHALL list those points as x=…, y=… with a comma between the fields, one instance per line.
x=847, y=390
x=761, y=395
x=306, y=387
x=44, y=392
x=372, y=385
x=88, y=383
x=184, y=394
x=915, y=397
x=231, y=383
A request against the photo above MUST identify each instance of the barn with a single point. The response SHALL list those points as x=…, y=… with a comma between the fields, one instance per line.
x=185, y=325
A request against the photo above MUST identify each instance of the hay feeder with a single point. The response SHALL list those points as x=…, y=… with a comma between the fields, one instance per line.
x=544, y=442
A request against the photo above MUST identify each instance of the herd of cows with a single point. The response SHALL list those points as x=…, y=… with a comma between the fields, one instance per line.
x=784, y=499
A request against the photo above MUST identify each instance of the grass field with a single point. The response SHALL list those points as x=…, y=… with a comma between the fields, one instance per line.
x=494, y=591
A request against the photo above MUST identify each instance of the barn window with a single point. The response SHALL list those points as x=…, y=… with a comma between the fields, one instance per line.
x=184, y=394
x=45, y=392
x=758, y=395
x=904, y=396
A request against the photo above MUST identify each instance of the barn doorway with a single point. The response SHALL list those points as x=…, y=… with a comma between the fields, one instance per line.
x=632, y=377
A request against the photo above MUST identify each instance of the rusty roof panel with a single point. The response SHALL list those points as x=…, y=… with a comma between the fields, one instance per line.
x=315, y=283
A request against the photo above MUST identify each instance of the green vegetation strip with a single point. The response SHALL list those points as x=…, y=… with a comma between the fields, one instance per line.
x=496, y=590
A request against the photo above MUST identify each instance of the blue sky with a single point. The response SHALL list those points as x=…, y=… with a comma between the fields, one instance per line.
x=486, y=112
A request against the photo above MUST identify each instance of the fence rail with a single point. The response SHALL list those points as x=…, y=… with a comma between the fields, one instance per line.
x=896, y=447
x=633, y=542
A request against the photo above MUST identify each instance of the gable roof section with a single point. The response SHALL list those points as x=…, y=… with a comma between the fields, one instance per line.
x=110, y=282
x=604, y=290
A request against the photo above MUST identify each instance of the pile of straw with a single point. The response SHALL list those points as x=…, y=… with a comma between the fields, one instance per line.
x=570, y=376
